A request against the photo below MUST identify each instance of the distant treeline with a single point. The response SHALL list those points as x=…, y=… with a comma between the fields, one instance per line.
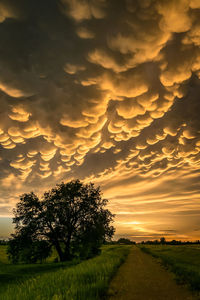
x=121, y=241
x=163, y=241
x=126, y=241
x=3, y=242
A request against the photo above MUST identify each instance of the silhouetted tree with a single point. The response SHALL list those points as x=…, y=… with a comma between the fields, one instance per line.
x=125, y=241
x=162, y=240
x=3, y=242
x=24, y=249
x=71, y=217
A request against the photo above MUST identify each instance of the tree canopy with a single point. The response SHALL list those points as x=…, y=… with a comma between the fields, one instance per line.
x=71, y=217
x=125, y=241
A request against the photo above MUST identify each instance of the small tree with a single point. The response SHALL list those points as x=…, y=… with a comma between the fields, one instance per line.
x=71, y=217
x=23, y=249
x=162, y=240
x=125, y=241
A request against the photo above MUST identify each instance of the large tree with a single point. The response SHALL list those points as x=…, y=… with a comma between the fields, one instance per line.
x=71, y=217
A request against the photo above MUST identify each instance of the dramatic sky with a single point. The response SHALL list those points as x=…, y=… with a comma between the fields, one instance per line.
x=105, y=91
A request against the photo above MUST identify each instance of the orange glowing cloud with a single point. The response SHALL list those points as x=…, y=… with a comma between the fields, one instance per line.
x=109, y=94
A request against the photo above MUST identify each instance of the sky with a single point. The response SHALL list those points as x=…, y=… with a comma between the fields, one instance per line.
x=108, y=92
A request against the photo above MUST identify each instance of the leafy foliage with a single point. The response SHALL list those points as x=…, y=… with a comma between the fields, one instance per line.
x=125, y=241
x=23, y=249
x=71, y=217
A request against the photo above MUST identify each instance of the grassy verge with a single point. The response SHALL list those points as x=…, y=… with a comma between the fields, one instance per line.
x=183, y=261
x=17, y=274
x=88, y=280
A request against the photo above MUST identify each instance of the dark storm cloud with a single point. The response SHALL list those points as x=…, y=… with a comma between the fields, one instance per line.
x=106, y=91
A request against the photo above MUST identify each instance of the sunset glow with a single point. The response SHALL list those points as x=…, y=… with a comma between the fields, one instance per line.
x=108, y=92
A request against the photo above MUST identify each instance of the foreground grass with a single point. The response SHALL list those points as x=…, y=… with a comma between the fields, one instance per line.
x=16, y=274
x=88, y=280
x=182, y=260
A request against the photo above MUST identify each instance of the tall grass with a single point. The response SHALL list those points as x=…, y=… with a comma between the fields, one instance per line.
x=86, y=281
x=3, y=255
x=18, y=273
x=182, y=260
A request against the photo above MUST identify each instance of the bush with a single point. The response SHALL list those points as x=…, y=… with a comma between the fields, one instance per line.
x=27, y=251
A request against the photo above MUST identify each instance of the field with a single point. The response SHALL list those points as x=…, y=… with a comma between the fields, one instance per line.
x=87, y=280
x=90, y=279
x=16, y=274
x=182, y=260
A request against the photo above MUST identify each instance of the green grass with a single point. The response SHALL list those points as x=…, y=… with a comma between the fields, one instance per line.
x=87, y=280
x=3, y=255
x=17, y=274
x=182, y=260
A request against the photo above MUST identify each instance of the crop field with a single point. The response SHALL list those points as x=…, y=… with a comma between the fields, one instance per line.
x=182, y=260
x=87, y=280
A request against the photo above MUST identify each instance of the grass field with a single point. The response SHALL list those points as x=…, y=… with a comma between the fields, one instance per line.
x=87, y=280
x=16, y=274
x=182, y=260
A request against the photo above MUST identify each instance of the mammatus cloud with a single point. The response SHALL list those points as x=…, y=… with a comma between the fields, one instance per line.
x=109, y=92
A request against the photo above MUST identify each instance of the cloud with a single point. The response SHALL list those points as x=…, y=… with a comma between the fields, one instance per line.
x=175, y=16
x=7, y=11
x=107, y=92
x=83, y=10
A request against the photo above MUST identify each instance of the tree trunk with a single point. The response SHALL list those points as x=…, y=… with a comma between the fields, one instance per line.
x=59, y=251
x=67, y=249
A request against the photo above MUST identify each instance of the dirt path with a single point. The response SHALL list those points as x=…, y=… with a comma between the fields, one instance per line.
x=142, y=278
